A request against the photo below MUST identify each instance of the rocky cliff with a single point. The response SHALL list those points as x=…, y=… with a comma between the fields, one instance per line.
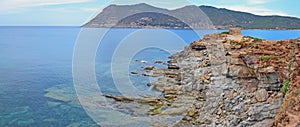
x=289, y=115
x=228, y=80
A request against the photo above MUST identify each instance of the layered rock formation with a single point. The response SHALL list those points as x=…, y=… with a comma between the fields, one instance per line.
x=228, y=80
x=289, y=115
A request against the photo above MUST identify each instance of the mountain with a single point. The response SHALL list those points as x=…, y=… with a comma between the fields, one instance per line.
x=202, y=17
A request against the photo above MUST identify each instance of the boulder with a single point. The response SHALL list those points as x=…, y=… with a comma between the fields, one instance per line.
x=261, y=95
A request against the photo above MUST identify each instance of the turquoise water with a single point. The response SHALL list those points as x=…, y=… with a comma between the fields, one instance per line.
x=36, y=85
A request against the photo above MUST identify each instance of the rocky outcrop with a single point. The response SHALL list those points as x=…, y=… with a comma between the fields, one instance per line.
x=289, y=115
x=235, y=31
x=228, y=80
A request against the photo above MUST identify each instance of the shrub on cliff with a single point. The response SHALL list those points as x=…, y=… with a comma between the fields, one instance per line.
x=257, y=40
x=225, y=32
x=285, y=86
x=265, y=57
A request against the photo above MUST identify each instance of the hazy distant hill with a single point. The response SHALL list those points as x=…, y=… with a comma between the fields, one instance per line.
x=146, y=16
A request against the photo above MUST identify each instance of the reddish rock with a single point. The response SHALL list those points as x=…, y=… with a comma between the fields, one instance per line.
x=289, y=115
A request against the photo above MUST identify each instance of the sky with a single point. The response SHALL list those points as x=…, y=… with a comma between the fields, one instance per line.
x=78, y=12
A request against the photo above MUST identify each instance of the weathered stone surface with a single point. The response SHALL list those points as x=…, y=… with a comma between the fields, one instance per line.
x=234, y=70
x=235, y=31
x=269, y=78
x=175, y=111
x=170, y=66
x=250, y=85
x=264, y=123
x=261, y=95
x=236, y=61
x=246, y=72
x=267, y=70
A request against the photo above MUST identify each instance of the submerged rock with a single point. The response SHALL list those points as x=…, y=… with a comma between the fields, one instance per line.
x=118, y=98
x=62, y=92
x=158, y=62
x=134, y=73
x=149, y=68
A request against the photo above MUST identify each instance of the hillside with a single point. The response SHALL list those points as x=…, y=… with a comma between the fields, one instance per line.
x=146, y=16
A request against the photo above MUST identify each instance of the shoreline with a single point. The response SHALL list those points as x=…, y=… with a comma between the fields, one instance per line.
x=178, y=28
x=216, y=81
x=137, y=28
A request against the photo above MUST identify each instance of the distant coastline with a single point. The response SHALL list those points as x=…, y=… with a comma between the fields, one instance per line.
x=119, y=27
x=130, y=28
x=207, y=17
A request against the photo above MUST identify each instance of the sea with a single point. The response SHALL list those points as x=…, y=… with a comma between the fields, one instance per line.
x=40, y=68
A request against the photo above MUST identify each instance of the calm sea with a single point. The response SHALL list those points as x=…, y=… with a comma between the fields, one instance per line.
x=36, y=85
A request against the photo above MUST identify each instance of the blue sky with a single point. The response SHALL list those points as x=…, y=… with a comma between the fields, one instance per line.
x=77, y=12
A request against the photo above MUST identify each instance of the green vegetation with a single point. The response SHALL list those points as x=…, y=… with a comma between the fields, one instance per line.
x=157, y=110
x=225, y=17
x=257, y=40
x=265, y=57
x=225, y=32
x=285, y=86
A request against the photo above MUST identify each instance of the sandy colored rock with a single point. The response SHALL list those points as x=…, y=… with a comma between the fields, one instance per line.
x=261, y=95
x=235, y=31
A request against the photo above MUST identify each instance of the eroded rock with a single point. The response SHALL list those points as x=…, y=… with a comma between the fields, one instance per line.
x=261, y=95
x=225, y=80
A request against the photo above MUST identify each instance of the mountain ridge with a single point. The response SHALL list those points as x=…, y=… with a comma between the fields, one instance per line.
x=205, y=17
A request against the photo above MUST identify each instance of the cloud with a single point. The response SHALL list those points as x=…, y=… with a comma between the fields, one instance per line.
x=255, y=10
x=88, y=9
x=258, y=1
x=162, y=3
x=9, y=6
